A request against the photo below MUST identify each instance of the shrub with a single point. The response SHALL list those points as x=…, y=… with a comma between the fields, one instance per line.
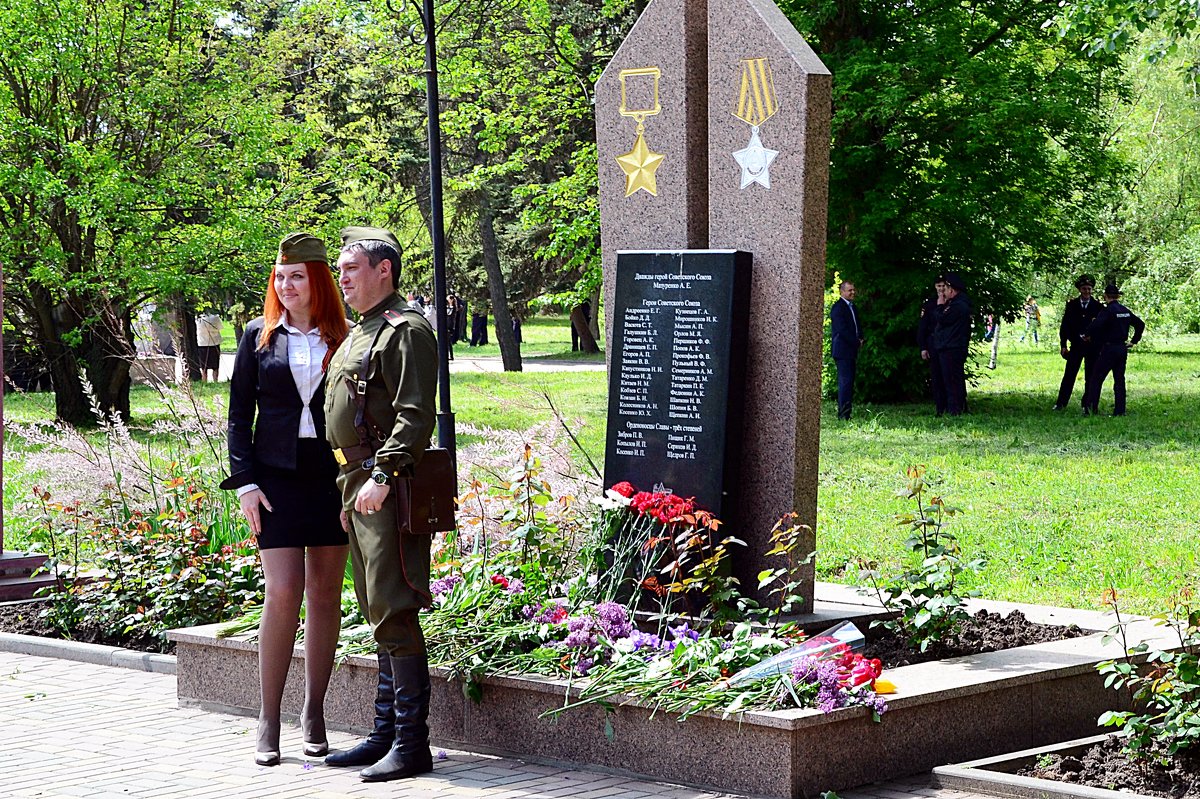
x=926, y=600
x=1167, y=690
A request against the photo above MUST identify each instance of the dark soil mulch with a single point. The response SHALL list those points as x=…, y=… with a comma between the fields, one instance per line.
x=25, y=618
x=987, y=632
x=1106, y=765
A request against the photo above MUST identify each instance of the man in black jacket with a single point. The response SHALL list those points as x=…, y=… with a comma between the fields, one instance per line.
x=845, y=337
x=929, y=312
x=1078, y=315
x=1108, y=331
x=951, y=339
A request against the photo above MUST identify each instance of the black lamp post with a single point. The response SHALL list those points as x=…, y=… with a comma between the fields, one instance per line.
x=437, y=229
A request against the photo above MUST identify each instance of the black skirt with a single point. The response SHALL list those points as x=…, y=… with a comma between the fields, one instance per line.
x=307, y=504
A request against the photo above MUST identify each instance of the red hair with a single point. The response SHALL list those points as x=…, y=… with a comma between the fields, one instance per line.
x=327, y=311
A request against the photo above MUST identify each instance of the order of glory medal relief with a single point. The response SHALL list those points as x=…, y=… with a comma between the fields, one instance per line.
x=640, y=163
x=757, y=102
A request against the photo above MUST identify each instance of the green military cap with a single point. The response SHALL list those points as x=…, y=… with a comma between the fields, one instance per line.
x=350, y=235
x=300, y=248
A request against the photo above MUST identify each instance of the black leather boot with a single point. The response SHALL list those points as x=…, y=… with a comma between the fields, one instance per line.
x=409, y=755
x=380, y=740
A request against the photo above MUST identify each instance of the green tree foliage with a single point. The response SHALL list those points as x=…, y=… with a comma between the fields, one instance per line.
x=142, y=154
x=1150, y=234
x=1110, y=26
x=965, y=137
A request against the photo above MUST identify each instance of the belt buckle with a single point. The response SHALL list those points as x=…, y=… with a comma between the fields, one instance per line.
x=339, y=457
x=362, y=387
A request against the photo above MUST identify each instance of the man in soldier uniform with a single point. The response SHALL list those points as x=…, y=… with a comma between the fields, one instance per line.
x=379, y=410
x=1078, y=315
x=1108, y=331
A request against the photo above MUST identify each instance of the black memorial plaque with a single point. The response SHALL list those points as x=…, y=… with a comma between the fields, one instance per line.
x=676, y=382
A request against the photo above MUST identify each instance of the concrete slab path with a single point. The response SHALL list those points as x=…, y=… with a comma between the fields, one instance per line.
x=75, y=729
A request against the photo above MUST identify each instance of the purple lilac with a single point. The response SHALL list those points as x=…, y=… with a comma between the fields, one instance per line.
x=824, y=674
x=581, y=632
x=614, y=621
x=544, y=613
x=515, y=586
x=830, y=693
x=443, y=585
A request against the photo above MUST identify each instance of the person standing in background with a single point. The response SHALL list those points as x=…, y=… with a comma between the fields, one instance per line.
x=1109, y=331
x=845, y=339
x=952, y=339
x=1033, y=318
x=1077, y=317
x=930, y=310
x=208, y=342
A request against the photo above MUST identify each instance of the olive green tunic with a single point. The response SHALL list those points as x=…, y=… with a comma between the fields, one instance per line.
x=391, y=578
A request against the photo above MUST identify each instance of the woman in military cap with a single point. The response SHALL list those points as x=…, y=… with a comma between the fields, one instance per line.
x=284, y=472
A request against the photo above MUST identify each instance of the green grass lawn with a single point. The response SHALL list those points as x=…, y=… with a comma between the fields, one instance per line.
x=546, y=336
x=1061, y=505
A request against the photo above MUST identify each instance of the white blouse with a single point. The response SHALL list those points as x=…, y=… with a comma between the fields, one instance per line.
x=306, y=351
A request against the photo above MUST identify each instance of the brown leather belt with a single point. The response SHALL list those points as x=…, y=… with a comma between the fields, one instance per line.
x=359, y=456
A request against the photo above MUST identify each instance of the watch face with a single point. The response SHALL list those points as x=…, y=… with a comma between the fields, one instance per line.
x=379, y=478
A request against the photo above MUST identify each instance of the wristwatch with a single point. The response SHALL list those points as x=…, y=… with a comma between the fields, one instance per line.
x=380, y=478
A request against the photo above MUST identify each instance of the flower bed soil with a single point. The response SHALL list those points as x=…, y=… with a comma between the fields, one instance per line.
x=987, y=632
x=1107, y=765
x=25, y=618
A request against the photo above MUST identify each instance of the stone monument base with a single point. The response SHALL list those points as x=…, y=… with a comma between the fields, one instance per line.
x=944, y=712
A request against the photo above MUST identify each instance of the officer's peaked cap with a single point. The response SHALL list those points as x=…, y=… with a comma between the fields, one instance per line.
x=954, y=281
x=1085, y=280
x=1111, y=290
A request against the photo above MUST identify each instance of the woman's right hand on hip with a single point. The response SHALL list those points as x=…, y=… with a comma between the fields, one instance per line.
x=253, y=502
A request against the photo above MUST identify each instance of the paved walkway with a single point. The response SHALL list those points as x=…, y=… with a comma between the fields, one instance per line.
x=82, y=730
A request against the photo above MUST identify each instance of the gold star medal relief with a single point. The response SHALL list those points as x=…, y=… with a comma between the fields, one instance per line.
x=640, y=163
x=757, y=103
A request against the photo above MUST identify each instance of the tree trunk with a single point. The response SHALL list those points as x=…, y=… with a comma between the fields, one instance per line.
x=594, y=321
x=510, y=351
x=109, y=355
x=189, y=350
x=70, y=404
x=587, y=342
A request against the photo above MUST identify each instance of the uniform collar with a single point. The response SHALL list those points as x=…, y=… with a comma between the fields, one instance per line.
x=384, y=304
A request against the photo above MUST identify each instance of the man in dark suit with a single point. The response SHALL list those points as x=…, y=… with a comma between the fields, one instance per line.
x=930, y=311
x=952, y=339
x=845, y=338
x=1078, y=315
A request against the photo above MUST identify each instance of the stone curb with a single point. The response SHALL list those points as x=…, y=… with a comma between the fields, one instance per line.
x=87, y=653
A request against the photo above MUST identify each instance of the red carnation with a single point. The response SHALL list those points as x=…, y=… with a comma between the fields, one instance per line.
x=624, y=489
x=500, y=580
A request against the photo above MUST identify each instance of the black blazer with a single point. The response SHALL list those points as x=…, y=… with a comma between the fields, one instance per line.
x=262, y=382
x=843, y=335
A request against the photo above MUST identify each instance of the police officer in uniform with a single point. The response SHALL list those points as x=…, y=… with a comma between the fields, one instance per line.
x=379, y=409
x=1108, y=331
x=1078, y=315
